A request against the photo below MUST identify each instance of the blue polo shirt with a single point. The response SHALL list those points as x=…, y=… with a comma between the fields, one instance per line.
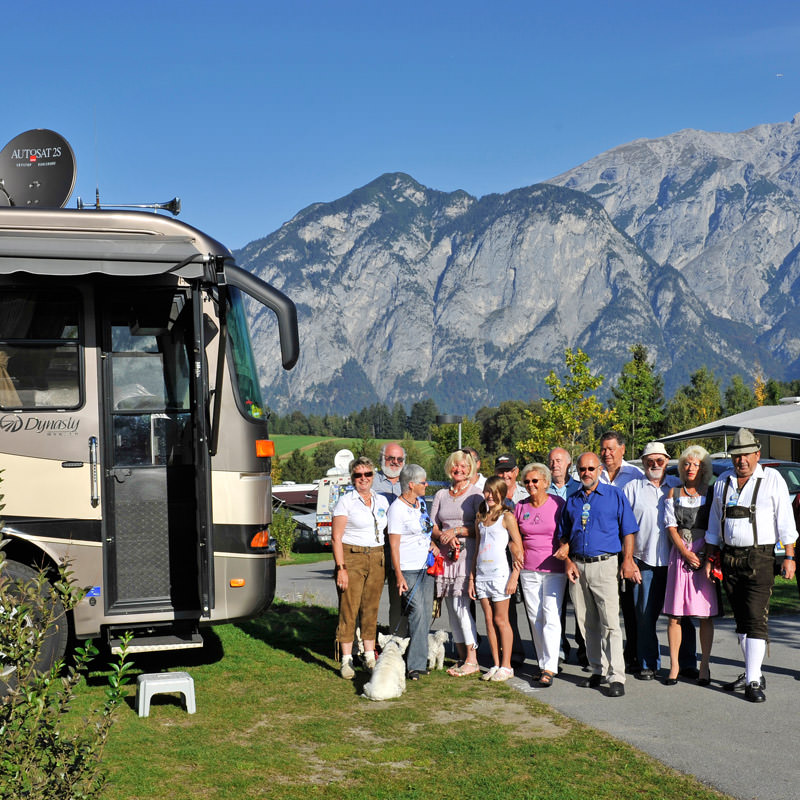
x=610, y=518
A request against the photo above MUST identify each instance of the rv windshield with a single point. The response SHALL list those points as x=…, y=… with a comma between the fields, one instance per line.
x=244, y=364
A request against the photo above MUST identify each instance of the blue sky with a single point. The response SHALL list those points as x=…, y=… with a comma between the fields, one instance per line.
x=252, y=111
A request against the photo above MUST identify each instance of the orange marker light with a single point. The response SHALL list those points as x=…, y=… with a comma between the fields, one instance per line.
x=261, y=539
x=265, y=448
x=237, y=583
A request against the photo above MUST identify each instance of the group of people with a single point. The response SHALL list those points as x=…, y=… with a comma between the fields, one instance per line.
x=624, y=539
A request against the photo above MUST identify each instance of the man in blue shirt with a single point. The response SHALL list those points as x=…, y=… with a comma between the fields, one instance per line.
x=596, y=524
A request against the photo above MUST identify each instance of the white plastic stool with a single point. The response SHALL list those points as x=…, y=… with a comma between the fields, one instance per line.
x=161, y=682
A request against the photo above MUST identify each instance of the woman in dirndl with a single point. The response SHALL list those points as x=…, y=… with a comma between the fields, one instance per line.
x=689, y=592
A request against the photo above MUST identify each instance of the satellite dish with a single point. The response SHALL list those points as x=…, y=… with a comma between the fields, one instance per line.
x=342, y=461
x=37, y=170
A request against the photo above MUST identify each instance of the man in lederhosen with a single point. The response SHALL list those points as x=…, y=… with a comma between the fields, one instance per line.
x=751, y=512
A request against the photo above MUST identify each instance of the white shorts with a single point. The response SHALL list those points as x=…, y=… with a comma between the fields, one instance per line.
x=493, y=589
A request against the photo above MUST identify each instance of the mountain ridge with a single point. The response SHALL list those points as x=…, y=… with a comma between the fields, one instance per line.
x=405, y=292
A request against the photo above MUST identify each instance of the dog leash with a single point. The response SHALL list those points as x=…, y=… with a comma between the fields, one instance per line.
x=408, y=598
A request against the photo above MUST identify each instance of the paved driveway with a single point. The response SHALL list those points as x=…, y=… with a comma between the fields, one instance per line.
x=745, y=749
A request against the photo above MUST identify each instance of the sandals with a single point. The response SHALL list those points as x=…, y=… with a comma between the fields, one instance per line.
x=503, y=674
x=467, y=668
x=489, y=674
x=546, y=678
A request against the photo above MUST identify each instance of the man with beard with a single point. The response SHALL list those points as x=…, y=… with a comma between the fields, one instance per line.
x=647, y=496
x=597, y=523
x=387, y=483
x=387, y=478
x=751, y=512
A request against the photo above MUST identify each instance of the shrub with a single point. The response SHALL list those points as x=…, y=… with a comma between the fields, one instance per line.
x=283, y=530
x=43, y=756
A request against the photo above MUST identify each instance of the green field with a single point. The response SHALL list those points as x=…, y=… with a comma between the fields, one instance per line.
x=288, y=443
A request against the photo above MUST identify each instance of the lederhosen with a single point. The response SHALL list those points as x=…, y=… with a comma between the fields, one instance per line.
x=747, y=572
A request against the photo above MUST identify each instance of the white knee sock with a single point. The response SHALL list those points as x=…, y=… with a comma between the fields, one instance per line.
x=753, y=658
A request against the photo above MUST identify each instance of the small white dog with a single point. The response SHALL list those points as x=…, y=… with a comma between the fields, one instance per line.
x=389, y=676
x=436, y=643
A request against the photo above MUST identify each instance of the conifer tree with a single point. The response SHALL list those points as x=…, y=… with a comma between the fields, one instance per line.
x=637, y=400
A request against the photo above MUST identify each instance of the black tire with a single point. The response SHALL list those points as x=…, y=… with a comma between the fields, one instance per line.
x=54, y=645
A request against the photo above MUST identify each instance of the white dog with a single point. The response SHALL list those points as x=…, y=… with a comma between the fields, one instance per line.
x=436, y=643
x=389, y=676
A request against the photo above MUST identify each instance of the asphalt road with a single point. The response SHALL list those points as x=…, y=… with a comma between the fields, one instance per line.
x=744, y=749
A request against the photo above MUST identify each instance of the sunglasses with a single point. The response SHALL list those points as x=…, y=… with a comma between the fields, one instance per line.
x=587, y=469
x=362, y=475
x=534, y=481
x=394, y=459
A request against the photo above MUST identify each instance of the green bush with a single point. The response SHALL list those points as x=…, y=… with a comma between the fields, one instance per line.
x=283, y=530
x=44, y=755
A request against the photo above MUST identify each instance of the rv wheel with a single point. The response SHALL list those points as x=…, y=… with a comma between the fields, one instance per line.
x=54, y=644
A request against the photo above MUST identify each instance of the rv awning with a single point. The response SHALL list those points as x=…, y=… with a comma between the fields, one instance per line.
x=116, y=243
x=781, y=420
x=82, y=254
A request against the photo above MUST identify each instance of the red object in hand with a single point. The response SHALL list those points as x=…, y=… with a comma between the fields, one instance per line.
x=716, y=566
x=438, y=566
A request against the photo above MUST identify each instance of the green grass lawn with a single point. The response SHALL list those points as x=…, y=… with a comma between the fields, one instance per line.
x=288, y=443
x=274, y=720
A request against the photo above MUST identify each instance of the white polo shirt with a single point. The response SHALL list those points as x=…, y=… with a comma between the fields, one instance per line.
x=365, y=525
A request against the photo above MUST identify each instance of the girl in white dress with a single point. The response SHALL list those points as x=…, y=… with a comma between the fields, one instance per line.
x=492, y=580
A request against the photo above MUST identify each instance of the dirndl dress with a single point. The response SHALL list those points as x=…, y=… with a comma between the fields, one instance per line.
x=689, y=592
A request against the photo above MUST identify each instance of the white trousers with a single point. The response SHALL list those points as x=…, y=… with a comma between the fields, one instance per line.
x=461, y=622
x=543, y=593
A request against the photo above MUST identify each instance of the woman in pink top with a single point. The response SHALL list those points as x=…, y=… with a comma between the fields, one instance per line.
x=543, y=579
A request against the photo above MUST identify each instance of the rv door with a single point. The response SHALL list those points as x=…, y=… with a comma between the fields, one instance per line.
x=157, y=515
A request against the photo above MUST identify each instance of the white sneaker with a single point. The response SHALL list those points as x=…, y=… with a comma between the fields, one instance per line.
x=347, y=670
x=503, y=674
x=489, y=674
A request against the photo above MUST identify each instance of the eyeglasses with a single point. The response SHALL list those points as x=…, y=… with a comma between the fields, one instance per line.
x=534, y=481
x=420, y=483
x=394, y=459
x=656, y=462
x=587, y=469
x=362, y=475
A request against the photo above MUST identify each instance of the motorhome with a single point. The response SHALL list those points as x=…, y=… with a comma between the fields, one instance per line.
x=133, y=440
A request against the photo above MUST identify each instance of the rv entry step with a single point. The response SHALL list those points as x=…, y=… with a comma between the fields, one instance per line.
x=155, y=639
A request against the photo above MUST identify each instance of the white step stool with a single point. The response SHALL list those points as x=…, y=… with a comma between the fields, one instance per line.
x=160, y=682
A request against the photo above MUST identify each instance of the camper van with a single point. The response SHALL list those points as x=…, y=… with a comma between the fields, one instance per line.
x=133, y=441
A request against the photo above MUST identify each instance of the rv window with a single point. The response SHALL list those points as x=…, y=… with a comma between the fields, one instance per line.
x=39, y=354
x=244, y=363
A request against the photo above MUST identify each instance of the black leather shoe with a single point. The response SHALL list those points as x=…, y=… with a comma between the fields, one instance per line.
x=616, y=689
x=670, y=681
x=645, y=675
x=754, y=693
x=689, y=672
x=592, y=682
x=741, y=683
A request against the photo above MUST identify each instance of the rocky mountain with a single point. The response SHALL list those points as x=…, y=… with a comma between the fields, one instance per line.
x=687, y=244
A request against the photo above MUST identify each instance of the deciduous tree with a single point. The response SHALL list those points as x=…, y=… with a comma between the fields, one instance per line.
x=571, y=416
